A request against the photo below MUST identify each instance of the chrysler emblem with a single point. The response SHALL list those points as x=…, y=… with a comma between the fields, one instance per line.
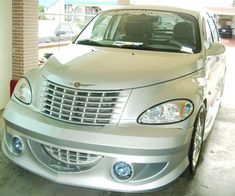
x=76, y=84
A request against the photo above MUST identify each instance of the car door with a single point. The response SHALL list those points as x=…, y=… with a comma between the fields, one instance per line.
x=215, y=66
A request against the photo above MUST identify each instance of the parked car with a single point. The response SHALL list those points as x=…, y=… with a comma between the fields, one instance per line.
x=52, y=31
x=126, y=107
x=226, y=31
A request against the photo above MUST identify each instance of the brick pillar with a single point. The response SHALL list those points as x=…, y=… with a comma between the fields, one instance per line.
x=24, y=36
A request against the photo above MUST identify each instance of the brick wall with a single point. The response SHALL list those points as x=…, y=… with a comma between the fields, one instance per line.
x=24, y=36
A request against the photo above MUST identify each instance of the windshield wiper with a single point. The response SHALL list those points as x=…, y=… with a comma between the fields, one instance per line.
x=151, y=48
x=136, y=46
x=89, y=42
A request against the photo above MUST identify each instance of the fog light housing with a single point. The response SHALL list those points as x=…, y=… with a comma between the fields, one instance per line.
x=122, y=171
x=16, y=145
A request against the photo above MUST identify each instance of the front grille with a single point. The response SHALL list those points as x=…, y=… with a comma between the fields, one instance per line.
x=63, y=159
x=72, y=157
x=83, y=107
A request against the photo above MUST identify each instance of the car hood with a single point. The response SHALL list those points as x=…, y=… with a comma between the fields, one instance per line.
x=114, y=68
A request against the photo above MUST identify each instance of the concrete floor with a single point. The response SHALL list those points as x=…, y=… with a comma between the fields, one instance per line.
x=215, y=175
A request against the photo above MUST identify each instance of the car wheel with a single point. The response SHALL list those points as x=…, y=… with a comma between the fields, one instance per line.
x=197, y=140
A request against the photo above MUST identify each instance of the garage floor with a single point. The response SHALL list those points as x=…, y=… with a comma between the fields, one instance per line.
x=215, y=176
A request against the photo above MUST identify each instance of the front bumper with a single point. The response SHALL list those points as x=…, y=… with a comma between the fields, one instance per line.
x=158, y=156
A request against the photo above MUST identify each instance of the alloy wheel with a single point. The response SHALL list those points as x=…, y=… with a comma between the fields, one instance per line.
x=197, y=140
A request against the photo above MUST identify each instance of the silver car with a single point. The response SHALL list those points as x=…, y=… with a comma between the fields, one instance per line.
x=52, y=31
x=126, y=107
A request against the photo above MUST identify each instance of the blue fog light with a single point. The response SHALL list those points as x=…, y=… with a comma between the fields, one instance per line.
x=122, y=171
x=17, y=145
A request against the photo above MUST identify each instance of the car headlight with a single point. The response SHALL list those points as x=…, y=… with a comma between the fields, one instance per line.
x=167, y=112
x=23, y=91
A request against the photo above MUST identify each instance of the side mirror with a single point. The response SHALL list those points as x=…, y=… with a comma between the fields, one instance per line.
x=215, y=48
x=59, y=33
x=47, y=55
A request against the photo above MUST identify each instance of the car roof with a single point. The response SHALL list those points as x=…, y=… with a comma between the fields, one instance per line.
x=225, y=25
x=187, y=10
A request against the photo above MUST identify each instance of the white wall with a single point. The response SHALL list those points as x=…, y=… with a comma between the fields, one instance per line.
x=58, y=10
x=5, y=51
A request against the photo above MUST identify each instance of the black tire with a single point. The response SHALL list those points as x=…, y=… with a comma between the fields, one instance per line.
x=197, y=140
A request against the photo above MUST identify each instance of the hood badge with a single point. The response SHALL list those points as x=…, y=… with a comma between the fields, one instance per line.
x=78, y=84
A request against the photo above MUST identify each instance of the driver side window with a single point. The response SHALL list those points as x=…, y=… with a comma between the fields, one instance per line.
x=208, y=38
x=211, y=31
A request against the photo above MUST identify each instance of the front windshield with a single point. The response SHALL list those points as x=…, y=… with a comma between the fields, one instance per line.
x=143, y=30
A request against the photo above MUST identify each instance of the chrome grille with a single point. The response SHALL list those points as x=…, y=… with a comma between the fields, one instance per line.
x=83, y=106
x=72, y=157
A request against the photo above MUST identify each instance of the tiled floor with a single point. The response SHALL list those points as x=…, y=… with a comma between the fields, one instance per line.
x=229, y=41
